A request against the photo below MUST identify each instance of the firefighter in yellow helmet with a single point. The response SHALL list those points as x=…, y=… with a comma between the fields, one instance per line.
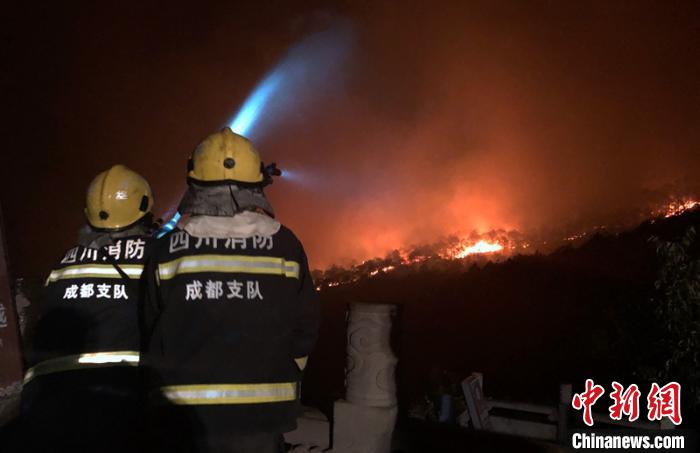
x=226, y=177
x=81, y=387
x=233, y=310
x=117, y=199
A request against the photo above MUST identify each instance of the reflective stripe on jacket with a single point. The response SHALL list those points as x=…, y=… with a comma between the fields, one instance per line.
x=230, y=393
x=268, y=265
x=82, y=361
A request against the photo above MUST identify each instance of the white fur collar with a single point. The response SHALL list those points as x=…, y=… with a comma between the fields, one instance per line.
x=242, y=225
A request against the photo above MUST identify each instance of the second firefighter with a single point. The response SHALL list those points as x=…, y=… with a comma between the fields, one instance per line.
x=232, y=313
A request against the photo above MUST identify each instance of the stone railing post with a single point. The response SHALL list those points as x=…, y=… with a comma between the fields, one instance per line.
x=364, y=421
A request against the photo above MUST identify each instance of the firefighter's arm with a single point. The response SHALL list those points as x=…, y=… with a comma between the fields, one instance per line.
x=308, y=320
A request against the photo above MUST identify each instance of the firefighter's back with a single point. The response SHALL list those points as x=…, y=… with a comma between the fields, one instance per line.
x=223, y=343
x=82, y=375
x=232, y=312
x=81, y=388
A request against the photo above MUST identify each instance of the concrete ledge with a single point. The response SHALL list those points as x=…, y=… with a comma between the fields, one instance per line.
x=362, y=429
x=312, y=433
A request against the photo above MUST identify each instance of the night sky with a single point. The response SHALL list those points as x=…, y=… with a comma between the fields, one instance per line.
x=439, y=119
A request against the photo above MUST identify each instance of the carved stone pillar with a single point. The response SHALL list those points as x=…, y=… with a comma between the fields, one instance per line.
x=364, y=422
x=370, y=367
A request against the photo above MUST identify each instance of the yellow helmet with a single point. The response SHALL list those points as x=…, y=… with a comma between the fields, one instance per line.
x=225, y=156
x=117, y=198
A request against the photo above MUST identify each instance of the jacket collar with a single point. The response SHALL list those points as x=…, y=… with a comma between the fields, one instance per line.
x=242, y=225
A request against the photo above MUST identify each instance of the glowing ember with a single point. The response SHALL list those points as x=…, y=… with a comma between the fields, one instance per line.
x=480, y=247
x=677, y=208
x=384, y=270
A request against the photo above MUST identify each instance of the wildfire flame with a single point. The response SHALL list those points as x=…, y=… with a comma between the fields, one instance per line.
x=383, y=269
x=453, y=249
x=480, y=247
x=493, y=245
x=679, y=207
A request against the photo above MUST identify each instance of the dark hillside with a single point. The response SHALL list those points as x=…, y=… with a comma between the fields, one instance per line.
x=528, y=323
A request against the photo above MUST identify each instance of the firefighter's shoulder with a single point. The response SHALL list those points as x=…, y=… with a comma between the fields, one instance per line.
x=287, y=236
x=73, y=258
x=73, y=255
x=285, y=233
x=175, y=242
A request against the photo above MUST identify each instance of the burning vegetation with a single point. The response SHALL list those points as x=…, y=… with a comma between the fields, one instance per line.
x=473, y=249
x=677, y=207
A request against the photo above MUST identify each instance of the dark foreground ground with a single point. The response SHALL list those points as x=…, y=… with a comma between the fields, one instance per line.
x=419, y=437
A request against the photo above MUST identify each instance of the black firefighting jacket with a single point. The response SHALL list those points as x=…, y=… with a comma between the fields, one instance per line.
x=227, y=318
x=81, y=389
x=89, y=311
